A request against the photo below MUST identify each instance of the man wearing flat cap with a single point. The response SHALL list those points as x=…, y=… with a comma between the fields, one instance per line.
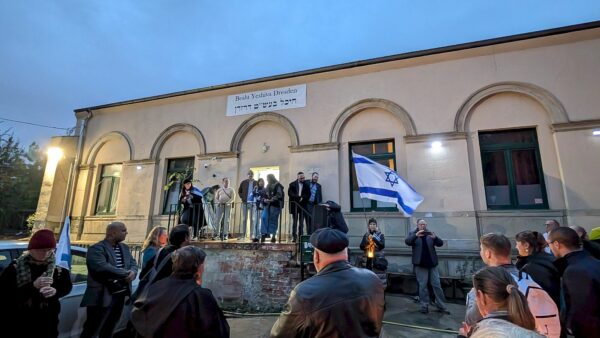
x=339, y=301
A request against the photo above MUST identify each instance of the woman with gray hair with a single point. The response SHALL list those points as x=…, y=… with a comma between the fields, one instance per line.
x=178, y=306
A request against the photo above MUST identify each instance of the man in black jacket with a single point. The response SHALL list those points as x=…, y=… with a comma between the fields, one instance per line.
x=248, y=205
x=178, y=306
x=339, y=301
x=111, y=268
x=315, y=198
x=425, y=261
x=299, y=193
x=580, y=281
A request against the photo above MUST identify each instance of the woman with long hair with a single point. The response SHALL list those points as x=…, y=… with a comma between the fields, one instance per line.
x=535, y=262
x=157, y=238
x=504, y=309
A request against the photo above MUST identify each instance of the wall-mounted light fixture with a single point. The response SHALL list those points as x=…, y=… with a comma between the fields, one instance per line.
x=436, y=145
x=138, y=167
x=55, y=154
x=596, y=132
x=265, y=147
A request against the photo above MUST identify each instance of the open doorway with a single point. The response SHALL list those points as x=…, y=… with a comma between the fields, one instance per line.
x=262, y=172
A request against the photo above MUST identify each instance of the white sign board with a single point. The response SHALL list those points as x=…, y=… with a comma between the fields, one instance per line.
x=267, y=100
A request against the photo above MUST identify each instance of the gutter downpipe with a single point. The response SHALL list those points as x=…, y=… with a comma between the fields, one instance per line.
x=74, y=174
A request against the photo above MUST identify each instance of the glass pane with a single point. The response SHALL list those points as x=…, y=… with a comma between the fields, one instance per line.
x=103, y=196
x=375, y=148
x=527, y=177
x=495, y=178
x=5, y=259
x=526, y=136
x=79, y=269
x=180, y=164
x=111, y=170
x=172, y=197
x=358, y=202
x=114, y=194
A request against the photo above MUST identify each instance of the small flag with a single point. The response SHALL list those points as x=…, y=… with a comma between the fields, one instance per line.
x=196, y=191
x=380, y=183
x=63, y=250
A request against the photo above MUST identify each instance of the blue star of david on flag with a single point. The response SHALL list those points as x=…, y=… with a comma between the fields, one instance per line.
x=380, y=183
x=391, y=178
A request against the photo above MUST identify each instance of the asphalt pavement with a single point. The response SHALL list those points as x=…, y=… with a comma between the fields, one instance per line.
x=401, y=319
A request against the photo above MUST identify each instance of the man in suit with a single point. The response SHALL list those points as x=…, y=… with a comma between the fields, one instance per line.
x=316, y=197
x=111, y=268
x=248, y=205
x=299, y=194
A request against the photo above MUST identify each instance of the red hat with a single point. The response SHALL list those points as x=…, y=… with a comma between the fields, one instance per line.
x=42, y=239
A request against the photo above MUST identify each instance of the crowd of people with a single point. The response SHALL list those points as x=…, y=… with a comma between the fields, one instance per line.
x=535, y=294
x=260, y=207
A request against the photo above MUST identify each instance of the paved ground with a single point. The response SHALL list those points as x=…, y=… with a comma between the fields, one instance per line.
x=399, y=309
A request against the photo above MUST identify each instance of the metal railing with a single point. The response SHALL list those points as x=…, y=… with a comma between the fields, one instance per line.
x=208, y=220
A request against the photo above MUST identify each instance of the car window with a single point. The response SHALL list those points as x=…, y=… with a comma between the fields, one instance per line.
x=5, y=259
x=79, y=270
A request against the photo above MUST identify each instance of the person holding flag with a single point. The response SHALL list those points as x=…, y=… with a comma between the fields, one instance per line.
x=30, y=289
x=193, y=211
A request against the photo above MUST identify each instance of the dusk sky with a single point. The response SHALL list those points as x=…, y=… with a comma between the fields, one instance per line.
x=56, y=56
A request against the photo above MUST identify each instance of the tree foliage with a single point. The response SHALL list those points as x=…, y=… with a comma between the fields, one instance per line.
x=21, y=175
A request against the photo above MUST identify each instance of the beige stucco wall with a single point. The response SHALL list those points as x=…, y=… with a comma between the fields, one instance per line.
x=541, y=82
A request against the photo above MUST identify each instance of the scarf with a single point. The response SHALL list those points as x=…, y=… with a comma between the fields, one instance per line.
x=24, y=270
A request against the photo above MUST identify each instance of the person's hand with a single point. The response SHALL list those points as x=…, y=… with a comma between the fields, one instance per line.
x=48, y=291
x=41, y=282
x=420, y=233
x=130, y=276
x=432, y=235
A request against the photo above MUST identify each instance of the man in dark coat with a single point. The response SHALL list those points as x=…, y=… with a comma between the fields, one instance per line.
x=425, y=261
x=580, y=281
x=30, y=288
x=178, y=306
x=299, y=193
x=339, y=301
x=315, y=198
x=111, y=268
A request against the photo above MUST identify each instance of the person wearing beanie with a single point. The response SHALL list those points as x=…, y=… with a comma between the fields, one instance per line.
x=30, y=289
x=337, y=292
x=372, y=244
x=111, y=269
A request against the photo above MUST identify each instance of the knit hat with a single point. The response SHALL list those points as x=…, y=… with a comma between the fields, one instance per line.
x=42, y=239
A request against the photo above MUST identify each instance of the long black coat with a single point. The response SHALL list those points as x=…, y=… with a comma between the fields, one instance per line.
x=542, y=270
x=178, y=307
x=417, y=247
x=24, y=311
x=300, y=198
x=581, y=282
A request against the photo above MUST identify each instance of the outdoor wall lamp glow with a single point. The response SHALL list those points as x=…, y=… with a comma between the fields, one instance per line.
x=55, y=154
x=596, y=132
x=436, y=145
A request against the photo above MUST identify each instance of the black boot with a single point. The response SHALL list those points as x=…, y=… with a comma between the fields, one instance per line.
x=262, y=238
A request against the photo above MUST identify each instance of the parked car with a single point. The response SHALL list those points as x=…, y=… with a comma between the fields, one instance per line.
x=72, y=316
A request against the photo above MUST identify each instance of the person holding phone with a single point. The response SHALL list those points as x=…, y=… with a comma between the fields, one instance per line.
x=425, y=261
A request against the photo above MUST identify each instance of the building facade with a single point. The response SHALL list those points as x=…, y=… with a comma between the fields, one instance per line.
x=497, y=136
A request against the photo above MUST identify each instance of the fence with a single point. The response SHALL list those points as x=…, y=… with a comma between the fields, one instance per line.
x=135, y=249
x=207, y=220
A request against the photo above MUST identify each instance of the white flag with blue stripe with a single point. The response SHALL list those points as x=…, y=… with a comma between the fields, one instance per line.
x=380, y=183
x=63, y=249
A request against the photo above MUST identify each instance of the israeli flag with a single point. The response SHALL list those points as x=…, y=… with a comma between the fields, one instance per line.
x=380, y=183
x=196, y=191
x=63, y=250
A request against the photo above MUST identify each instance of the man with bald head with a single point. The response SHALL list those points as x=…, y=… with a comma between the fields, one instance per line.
x=111, y=268
x=339, y=301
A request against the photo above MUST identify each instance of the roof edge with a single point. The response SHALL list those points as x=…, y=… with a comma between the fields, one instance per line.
x=360, y=63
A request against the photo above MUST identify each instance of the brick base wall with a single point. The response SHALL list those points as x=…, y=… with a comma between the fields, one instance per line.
x=250, y=276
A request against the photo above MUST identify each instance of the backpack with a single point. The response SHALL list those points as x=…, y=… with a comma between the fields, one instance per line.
x=543, y=308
